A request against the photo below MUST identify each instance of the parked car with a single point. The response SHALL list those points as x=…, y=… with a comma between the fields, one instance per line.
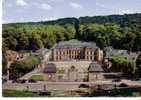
x=137, y=79
x=32, y=81
x=116, y=80
x=19, y=81
x=123, y=85
x=83, y=86
x=14, y=81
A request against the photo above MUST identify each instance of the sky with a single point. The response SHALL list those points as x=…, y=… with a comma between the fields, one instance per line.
x=42, y=10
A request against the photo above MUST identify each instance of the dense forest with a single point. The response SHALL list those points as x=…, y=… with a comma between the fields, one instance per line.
x=119, y=31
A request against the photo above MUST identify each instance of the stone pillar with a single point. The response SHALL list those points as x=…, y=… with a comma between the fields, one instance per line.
x=99, y=55
x=54, y=55
x=8, y=68
x=85, y=54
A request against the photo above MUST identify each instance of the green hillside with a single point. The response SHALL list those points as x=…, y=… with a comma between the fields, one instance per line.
x=119, y=31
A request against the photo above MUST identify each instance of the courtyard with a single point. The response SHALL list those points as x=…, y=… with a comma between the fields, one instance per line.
x=66, y=89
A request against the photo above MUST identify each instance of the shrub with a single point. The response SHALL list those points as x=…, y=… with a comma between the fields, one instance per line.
x=19, y=68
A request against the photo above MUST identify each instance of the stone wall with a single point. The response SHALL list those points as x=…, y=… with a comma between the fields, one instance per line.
x=64, y=72
x=94, y=76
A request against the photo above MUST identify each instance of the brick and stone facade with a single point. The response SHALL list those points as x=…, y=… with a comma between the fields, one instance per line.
x=77, y=50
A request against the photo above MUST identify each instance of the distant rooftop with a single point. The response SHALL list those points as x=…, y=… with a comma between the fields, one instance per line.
x=95, y=67
x=42, y=51
x=115, y=52
x=75, y=43
x=50, y=68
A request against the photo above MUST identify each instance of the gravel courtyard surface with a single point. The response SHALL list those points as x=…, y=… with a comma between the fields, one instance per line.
x=42, y=85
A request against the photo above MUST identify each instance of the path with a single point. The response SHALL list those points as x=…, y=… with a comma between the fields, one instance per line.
x=28, y=75
x=50, y=86
x=41, y=86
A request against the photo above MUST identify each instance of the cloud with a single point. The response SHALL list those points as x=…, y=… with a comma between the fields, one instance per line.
x=21, y=3
x=100, y=5
x=9, y=5
x=50, y=18
x=46, y=6
x=126, y=11
x=75, y=5
x=56, y=0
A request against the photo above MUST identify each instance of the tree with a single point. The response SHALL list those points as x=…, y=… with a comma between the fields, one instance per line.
x=138, y=64
x=69, y=32
x=4, y=66
x=121, y=64
x=10, y=43
x=23, y=42
x=128, y=41
x=50, y=41
x=77, y=26
x=19, y=68
x=35, y=42
x=59, y=37
x=137, y=42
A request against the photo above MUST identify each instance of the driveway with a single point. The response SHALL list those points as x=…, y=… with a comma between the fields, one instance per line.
x=43, y=86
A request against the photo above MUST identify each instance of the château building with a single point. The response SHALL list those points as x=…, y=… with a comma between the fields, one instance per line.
x=76, y=50
x=74, y=60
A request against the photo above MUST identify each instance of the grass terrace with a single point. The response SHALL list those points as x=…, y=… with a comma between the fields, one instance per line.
x=16, y=93
x=37, y=77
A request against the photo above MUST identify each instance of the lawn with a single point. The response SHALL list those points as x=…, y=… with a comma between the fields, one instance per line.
x=18, y=93
x=15, y=93
x=122, y=92
x=37, y=77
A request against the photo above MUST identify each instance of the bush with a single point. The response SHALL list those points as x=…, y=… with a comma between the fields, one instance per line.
x=126, y=66
x=44, y=93
x=19, y=68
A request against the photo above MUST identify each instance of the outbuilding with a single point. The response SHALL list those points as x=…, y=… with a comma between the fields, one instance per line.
x=95, y=72
x=50, y=72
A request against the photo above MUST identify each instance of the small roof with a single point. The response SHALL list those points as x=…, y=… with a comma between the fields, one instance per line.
x=43, y=51
x=50, y=68
x=95, y=67
x=133, y=55
x=108, y=49
x=124, y=53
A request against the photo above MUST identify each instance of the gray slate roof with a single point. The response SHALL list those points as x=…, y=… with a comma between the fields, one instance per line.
x=75, y=44
x=114, y=52
x=95, y=67
x=50, y=68
x=42, y=51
